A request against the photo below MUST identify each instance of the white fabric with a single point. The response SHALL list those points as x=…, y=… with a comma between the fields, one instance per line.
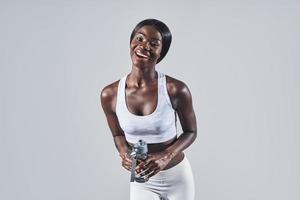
x=176, y=183
x=157, y=127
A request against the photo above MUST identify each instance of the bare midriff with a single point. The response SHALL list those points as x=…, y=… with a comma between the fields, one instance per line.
x=159, y=147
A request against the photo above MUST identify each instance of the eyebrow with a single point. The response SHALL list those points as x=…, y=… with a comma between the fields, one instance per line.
x=145, y=36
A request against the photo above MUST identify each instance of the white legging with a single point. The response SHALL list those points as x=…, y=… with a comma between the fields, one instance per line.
x=176, y=183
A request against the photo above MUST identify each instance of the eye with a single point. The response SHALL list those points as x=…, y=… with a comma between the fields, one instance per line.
x=154, y=44
x=139, y=38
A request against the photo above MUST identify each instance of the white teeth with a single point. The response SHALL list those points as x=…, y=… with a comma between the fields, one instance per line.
x=140, y=54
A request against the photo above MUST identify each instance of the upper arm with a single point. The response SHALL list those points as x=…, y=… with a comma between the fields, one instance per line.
x=108, y=103
x=181, y=98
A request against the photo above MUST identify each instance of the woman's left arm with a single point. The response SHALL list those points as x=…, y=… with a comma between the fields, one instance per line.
x=181, y=99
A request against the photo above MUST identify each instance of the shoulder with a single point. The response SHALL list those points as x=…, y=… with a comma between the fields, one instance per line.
x=109, y=91
x=108, y=95
x=177, y=90
x=176, y=87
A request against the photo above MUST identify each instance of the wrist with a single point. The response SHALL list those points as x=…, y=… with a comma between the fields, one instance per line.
x=170, y=154
x=124, y=153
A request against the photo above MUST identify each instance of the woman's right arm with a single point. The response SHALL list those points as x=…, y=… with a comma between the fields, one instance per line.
x=108, y=103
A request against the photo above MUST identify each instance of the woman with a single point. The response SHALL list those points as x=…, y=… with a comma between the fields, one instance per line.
x=143, y=105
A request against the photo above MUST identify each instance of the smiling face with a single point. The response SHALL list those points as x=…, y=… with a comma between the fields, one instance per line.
x=145, y=47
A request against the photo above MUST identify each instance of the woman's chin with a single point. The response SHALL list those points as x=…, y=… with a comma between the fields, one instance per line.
x=142, y=63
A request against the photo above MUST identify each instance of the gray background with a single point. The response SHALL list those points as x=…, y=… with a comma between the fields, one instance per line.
x=239, y=59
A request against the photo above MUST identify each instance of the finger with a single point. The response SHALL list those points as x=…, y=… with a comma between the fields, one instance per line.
x=151, y=173
x=146, y=170
x=124, y=155
x=126, y=165
x=143, y=172
x=144, y=165
x=149, y=160
x=155, y=168
x=154, y=172
x=127, y=158
x=151, y=165
x=140, y=166
x=126, y=162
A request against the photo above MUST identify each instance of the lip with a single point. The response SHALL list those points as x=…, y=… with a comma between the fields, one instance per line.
x=142, y=54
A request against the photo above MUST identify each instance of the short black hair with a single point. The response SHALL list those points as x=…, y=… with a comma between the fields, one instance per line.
x=162, y=29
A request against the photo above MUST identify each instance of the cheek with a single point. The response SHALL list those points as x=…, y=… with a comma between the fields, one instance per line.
x=133, y=43
x=158, y=51
x=132, y=47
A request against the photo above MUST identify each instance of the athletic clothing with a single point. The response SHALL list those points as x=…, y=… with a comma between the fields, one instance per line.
x=176, y=183
x=157, y=127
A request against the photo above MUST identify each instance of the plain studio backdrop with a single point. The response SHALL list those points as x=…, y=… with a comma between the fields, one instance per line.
x=240, y=60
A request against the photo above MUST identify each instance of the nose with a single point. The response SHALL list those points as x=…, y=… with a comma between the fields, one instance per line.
x=146, y=46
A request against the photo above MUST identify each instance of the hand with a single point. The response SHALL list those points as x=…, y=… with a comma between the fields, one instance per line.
x=154, y=163
x=126, y=160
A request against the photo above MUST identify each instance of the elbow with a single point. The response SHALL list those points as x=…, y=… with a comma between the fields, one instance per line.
x=192, y=135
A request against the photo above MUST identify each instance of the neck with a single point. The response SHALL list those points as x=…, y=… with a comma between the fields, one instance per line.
x=142, y=76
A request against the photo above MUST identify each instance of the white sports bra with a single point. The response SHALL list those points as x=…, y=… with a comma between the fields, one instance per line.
x=157, y=127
